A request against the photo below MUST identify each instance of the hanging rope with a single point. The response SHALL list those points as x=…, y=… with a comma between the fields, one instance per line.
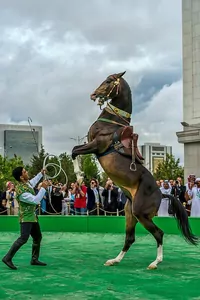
x=57, y=169
x=2, y=212
x=55, y=166
x=87, y=212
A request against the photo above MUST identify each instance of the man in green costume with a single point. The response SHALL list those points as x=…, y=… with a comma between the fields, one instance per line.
x=29, y=225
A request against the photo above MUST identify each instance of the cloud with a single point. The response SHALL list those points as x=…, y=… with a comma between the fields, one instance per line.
x=160, y=120
x=54, y=54
x=151, y=84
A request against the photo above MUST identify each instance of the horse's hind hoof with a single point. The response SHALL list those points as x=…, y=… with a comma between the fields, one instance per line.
x=111, y=262
x=152, y=267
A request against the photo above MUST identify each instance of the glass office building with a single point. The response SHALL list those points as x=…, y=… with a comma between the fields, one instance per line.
x=20, y=141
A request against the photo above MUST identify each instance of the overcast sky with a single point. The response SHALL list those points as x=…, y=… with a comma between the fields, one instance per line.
x=53, y=54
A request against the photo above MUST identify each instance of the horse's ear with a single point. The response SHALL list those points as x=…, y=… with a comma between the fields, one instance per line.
x=119, y=75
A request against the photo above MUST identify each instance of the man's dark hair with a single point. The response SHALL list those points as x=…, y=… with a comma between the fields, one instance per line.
x=17, y=172
x=93, y=179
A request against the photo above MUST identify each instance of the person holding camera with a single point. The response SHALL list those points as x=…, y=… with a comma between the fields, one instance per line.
x=56, y=199
x=9, y=198
x=80, y=192
x=193, y=197
x=12, y=203
x=94, y=198
x=110, y=194
x=178, y=190
x=29, y=224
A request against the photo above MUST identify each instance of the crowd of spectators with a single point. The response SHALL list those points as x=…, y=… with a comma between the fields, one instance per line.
x=75, y=199
x=94, y=199
x=188, y=194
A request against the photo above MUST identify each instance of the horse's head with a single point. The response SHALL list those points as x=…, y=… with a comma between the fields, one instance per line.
x=108, y=89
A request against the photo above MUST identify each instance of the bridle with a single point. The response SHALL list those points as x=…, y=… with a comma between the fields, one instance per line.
x=111, y=108
x=115, y=84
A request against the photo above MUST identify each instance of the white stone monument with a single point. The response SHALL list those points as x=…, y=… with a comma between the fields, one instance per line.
x=190, y=136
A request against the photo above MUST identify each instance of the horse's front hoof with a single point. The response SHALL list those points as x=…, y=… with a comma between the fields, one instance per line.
x=74, y=156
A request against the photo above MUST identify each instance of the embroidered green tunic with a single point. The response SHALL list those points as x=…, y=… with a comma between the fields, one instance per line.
x=26, y=210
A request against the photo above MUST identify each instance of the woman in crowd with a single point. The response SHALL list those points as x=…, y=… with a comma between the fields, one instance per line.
x=9, y=199
x=80, y=198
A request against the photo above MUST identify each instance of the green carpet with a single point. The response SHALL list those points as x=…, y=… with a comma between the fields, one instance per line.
x=75, y=269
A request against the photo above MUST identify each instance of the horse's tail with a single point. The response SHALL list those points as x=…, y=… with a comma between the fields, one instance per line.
x=180, y=213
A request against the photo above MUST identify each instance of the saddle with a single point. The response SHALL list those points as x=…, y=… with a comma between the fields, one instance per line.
x=125, y=143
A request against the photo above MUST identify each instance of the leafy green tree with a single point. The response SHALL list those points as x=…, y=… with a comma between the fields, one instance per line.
x=103, y=178
x=89, y=167
x=6, y=167
x=169, y=169
x=36, y=163
x=67, y=166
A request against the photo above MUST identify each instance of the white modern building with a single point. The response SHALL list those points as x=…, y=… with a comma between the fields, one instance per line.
x=20, y=140
x=190, y=136
x=154, y=153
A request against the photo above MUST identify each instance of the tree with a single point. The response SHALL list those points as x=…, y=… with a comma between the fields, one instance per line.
x=169, y=169
x=6, y=167
x=36, y=163
x=103, y=178
x=67, y=166
x=89, y=167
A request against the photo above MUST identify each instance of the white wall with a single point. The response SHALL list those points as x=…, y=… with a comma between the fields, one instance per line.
x=191, y=60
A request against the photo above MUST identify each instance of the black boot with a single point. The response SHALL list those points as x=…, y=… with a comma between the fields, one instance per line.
x=7, y=259
x=35, y=256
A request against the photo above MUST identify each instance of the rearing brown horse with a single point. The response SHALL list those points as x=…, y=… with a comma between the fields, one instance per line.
x=138, y=184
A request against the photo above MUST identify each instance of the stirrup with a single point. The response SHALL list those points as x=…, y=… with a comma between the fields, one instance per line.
x=133, y=166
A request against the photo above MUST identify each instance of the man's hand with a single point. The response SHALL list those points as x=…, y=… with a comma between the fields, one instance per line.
x=45, y=184
x=43, y=171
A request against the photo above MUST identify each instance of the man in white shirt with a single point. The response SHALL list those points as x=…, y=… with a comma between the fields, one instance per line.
x=29, y=225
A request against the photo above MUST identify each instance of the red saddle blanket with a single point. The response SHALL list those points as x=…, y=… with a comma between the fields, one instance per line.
x=129, y=139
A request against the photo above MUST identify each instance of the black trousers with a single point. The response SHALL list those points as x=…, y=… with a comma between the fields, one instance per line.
x=28, y=229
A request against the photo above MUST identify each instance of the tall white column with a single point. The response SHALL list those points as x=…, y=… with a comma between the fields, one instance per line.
x=190, y=136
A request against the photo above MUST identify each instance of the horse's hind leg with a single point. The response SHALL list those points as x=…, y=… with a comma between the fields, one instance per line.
x=131, y=222
x=158, y=235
